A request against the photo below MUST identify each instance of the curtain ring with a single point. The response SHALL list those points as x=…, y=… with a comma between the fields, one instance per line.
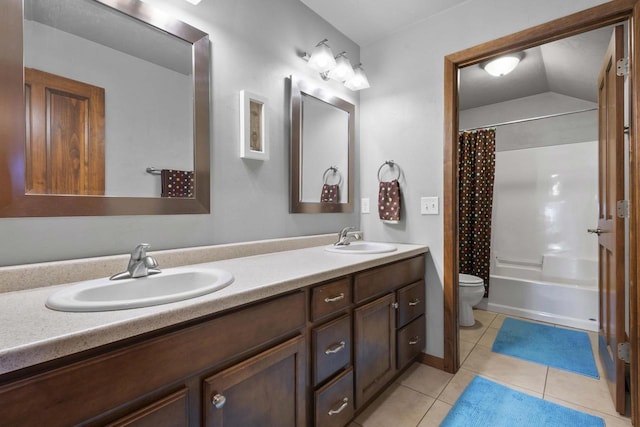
x=391, y=165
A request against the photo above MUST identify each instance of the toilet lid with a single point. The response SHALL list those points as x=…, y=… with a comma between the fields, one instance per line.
x=469, y=280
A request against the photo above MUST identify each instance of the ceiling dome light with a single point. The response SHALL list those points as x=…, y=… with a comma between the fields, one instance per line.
x=502, y=66
x=322, y=59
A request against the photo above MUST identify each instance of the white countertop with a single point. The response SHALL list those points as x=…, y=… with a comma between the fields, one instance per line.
x=32, y=334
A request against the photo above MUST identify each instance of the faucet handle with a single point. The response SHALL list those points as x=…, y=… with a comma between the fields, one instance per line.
x=345, y=230
x=140, y=251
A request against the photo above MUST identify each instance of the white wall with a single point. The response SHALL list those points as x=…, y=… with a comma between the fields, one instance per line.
x=255, y=45
x=402, y=118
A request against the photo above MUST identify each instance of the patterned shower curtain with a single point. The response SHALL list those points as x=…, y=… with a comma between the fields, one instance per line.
x=477, y=165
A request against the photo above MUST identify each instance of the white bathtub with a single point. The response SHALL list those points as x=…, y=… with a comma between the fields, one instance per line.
x=530, y=293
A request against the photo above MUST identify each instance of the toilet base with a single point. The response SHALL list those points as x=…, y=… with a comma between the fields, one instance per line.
x=465, y=315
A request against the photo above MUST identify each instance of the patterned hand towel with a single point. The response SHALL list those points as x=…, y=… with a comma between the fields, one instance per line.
x=330, y=194
x=389, y=202
x=177, y=183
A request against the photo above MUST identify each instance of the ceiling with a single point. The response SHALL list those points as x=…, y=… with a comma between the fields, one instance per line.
x=569, y=66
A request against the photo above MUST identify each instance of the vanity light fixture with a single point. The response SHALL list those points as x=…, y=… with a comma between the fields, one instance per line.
x=336, y=67
x=194, y=2
x=503, y=65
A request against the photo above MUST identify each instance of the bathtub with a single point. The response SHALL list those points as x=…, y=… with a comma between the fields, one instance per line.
x=547, y=293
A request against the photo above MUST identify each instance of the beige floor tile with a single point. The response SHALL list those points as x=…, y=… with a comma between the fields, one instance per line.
x=610, y=420
x=472, y=333
x=456, y=386
x=465, y=349
x=398, y=406
x=579, y=389
x=483, y=316
x=436, y=414
x=497, y=322
x=509, y=370
x=488, y=338
x=425, y=379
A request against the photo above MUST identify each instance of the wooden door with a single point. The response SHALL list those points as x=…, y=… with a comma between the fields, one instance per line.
x=610, y=225
x=375, y=346
x=266, y=390
x=64, y=151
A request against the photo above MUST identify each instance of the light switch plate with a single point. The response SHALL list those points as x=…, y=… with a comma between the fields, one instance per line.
x=429, y=206
x=365, y=206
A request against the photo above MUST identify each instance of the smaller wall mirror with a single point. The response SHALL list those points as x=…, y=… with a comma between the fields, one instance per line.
x=322, y=150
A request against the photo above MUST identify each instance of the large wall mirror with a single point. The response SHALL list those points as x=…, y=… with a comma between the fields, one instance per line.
x=105, y=110
x=322, y=150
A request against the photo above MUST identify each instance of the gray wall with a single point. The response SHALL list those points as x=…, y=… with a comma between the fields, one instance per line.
x=402, y=118
x=255, y=46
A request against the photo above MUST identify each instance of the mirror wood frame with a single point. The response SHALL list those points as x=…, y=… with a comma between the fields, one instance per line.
x=299, y=87
x=599, y=16
x=14, y=202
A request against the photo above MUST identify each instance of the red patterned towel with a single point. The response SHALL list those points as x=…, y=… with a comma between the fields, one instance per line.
x=177, y=183
x=389, y=201
x=330, y=194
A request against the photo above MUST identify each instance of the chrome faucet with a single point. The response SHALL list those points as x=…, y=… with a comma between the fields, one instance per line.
x=140, y=264
x=344, y=238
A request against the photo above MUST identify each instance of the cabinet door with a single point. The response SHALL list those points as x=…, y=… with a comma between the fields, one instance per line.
x=266, y=390
x=375, y=346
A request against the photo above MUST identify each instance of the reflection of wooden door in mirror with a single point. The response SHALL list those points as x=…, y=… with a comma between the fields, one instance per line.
x=65, y=135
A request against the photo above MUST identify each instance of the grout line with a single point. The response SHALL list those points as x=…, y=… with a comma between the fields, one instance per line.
x=546, y=378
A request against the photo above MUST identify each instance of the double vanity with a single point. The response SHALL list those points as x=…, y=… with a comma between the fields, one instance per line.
x=298, y=337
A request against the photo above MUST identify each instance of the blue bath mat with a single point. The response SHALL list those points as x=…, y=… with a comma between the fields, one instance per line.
x=559, y=348
x=485, y=403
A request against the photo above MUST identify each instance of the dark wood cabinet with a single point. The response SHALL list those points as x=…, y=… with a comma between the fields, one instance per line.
x=375, y=346
x=170, y=411
x=266, y=390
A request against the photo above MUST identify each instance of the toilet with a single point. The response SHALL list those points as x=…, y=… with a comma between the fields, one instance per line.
x=471, y=291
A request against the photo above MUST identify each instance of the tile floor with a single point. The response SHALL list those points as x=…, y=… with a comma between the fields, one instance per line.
x=423, y=395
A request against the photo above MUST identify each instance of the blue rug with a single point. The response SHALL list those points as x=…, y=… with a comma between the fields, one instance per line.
x=559, y=348
x=485, y=403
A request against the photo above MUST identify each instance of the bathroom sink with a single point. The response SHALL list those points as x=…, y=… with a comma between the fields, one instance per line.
x=169, y=286
x=362, y=248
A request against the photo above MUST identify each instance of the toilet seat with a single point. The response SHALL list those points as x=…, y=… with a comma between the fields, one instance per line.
x=469, y=280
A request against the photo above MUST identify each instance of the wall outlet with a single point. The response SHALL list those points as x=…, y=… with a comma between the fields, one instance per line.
x=365, y=206
x=429, y=206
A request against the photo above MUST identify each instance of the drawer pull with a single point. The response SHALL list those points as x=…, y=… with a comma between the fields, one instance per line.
x=218, y=400
x=335, y=348
x=344, y=404
x=414, y=301
x=415, y=340
x=334, y=299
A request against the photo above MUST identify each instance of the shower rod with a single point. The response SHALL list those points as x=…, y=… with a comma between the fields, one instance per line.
x=548, y=116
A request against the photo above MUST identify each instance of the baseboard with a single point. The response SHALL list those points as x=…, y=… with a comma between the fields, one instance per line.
x=433, y=361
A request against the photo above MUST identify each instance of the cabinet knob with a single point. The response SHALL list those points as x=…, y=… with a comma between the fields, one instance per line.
x=334, y=299
x=344, y=403
x=414, y=302
x=415, y=340
x=335, y=348
x=218, y=400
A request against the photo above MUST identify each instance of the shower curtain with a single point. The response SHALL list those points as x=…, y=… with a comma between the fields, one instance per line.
x=476, y=173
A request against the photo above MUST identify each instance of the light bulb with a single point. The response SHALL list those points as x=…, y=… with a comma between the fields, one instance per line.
x=322, y=59
x=359, y=80
x=502, y=66
x=343, y=69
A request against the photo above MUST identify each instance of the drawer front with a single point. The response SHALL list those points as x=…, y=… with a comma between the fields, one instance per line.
x=385, y=279
x=330, y=298
x=411, y=341
x=331, y=348
x=334, y=402
x=172, y=410
x=410, y=302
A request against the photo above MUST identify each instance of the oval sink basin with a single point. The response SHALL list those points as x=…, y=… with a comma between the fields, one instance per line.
x=362, y=248
x=169, y=286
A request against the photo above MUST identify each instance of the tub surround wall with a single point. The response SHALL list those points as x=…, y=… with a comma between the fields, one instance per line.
x=402, y=116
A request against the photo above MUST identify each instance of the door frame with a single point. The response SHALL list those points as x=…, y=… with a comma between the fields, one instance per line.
x=599, y=16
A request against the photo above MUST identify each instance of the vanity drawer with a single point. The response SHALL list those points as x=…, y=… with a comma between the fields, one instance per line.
x=411, y=340
x=334, y=402
x=381, y=280
x=410, y=302
x=331, y=344
x=330, y=298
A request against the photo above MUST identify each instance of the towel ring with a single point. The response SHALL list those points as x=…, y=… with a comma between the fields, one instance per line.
x=335, y=172
x=391, y=165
